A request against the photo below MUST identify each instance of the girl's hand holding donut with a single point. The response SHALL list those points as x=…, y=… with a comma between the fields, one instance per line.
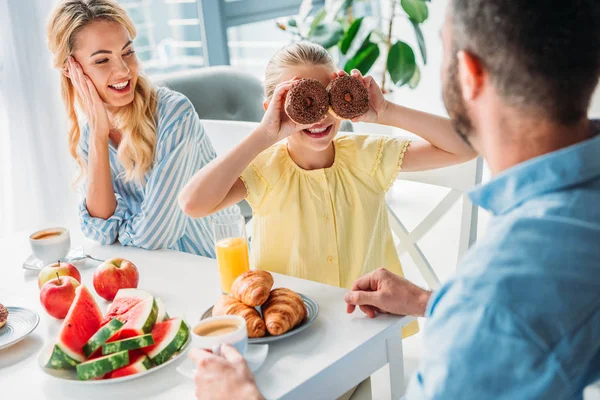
x=90, y=101
x=377, y=103
x=276, y=125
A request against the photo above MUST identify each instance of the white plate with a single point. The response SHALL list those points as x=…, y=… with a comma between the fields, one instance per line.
x=312, y=311
x=70, y=375
x=21, y=322
x=255, y=358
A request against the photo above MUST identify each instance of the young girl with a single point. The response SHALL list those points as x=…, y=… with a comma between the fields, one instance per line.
x=319, y=201
x=137, y=145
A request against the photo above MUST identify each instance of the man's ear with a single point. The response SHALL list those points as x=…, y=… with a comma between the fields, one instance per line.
x=471, y=74
x=265, y=105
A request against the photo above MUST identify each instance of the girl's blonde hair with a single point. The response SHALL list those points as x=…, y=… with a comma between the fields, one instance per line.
x=136, y=120
x=292, y=55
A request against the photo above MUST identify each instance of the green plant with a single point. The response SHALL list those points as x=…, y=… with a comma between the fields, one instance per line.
x=336, y=26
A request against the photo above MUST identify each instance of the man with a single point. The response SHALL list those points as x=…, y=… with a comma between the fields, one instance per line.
x=521, y=319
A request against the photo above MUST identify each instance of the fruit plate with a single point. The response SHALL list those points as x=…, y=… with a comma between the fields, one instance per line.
x=70, y=375
x=312, y=310
x=20, y=323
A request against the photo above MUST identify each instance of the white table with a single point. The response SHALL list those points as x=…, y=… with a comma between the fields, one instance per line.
x=323, y=362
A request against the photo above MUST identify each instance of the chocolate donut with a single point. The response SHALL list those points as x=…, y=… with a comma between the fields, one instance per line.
x=3, y=315
x=307, y=101
x=348, y=97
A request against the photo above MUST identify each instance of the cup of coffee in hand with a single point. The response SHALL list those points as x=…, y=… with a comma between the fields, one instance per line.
x=50, y=245
x=211, y=333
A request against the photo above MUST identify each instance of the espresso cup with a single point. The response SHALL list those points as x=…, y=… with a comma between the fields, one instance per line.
x=211, y=333
x=50, y=245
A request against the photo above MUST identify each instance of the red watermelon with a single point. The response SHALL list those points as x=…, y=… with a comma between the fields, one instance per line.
x=138, y=362
x=82, y=321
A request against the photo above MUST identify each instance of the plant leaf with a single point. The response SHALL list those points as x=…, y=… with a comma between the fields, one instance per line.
x=364, y=59
x=350, y=35
x=401, y=63
x=420, y=40
x=416, y=78
x=327, y=35
x=319, y=17
x=416, y=9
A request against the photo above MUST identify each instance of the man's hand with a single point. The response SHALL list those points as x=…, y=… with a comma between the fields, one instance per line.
x=223, y=377
x=384, y=292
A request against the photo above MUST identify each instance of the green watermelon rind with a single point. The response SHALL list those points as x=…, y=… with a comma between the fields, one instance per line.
x=162, y=312
x=143, y=364
x=60, y=359
x=99, y=367
x=147, y=328
x=133, y=343
x=160, y=356
x=100, y=337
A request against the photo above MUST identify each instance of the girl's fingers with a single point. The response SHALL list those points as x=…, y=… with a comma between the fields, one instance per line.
x=356, y=73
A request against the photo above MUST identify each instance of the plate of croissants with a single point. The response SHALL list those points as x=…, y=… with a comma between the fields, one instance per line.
x=270, y=314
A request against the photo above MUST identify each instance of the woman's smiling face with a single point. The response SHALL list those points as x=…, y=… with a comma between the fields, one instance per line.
x=104, y=49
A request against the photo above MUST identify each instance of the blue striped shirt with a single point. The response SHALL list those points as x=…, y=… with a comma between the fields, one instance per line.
x=147, y=215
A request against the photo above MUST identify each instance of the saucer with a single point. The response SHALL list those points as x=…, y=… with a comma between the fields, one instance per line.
x=255, y=358
x=76, y=254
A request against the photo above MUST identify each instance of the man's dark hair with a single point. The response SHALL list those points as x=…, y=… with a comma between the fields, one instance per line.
x=541, y=55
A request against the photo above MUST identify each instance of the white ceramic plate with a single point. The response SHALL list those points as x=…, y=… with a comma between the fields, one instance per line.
x=255, y=358
x=20, y=323
x=312, y=310
x=70, y=375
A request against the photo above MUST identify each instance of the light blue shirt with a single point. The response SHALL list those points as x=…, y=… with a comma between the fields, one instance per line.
x=147, y=214
x=521, y=319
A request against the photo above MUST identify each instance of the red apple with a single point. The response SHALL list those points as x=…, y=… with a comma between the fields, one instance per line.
x=115, y=274
x=62, y=268
x=57, y=295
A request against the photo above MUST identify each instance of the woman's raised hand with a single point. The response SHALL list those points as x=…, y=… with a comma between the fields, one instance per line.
x=92, y=104
x=275, y=123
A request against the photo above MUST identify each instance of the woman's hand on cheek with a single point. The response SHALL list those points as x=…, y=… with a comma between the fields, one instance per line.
x=378, y=103
x=90, y=101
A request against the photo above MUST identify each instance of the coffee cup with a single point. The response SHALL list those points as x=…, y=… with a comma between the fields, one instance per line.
x=211, y=333
x=50, y=245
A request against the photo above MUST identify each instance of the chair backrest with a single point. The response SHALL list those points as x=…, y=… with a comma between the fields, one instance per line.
x=219, y=93
x=226, y=134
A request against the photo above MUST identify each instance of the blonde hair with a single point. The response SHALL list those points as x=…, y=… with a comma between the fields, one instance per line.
x=136, y=120
x=292, y=55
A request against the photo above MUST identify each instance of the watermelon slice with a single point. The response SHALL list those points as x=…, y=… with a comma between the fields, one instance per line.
x=169, y=337
x=82, y=321
x=138, y=320
x=138, y=362
x=162, y=311
x=98, y=367
x=124, y=301
x=136, y=342
x=100, y=337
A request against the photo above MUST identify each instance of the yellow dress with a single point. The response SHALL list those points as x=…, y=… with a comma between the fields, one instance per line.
x=327, y=225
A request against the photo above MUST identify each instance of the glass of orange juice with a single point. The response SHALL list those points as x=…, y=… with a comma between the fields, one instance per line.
x=231, y=248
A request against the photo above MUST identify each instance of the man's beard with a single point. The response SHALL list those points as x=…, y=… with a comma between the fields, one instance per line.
x=455, y=105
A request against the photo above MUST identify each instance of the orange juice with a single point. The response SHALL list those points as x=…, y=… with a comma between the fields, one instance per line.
x=232, y=256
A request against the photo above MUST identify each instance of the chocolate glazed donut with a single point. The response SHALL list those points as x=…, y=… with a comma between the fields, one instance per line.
x=307, y=101
x=348, y=97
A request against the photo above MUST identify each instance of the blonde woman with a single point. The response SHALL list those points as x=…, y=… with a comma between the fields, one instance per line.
x=136, y=145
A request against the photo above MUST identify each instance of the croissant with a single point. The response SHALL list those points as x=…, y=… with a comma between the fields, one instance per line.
x=252, y=287
x=227, y=305
x=283, y=311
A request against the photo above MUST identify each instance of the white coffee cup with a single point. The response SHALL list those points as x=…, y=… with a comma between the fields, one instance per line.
x=211, y=333
x=50, y=245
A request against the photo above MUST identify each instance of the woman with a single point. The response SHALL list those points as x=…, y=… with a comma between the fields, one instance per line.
x=137, y=145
